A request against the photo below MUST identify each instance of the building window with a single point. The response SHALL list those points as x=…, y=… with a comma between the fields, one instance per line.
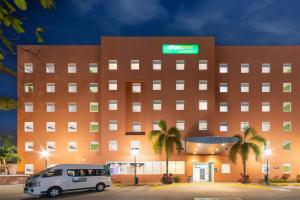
x=179, y=84
x=225, y=168
x=286, y=167
x=112, y=145
x=223, y=107
x=202, y=126
x=50, y=107
x=265, y=126
x=180, y=105
x=94, y=127
x=180, y=125
x=157, y=105
x=113, y=125
x=72, y=107
x=223, y=126
x=135, y=65
x=244, y=126
x=265, y=107
x=245, y=68
x=112, y=65
x=72, y=87
x=112, y=85
x=93, y=68
x=51, y=146
x=155, y=126
x=266, y=68
x=50, y=87
x=93, y=87
x=93, y=106
x=223, y=68
x=156, y=85
x=287, y=145
x=203, y=105
x=135, y=144
x=223, y=88
x=265, y=87
x=287, y=68
x=50, y=68
x=28, y=87
x=203, y=85
x=28, y=68
x=72, y=146
x=179, y=64
x=28, y=146
x=202, y=65
x=136, y=87
x=264, y=168
x=156, y=65
x=244, y=87
x=50, y=126
x=287, y=87
x=29, y=169
x=136, y=127
x=72, y=127
x=244, y=106
x=28, y=107
x=287, y=106
x=94, y=146
x=28, y=126
x=112, y=105
x=287, y=126
x=136, y=107
x=72, y=68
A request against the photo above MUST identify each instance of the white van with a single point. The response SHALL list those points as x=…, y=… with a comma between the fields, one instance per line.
x=68, y=177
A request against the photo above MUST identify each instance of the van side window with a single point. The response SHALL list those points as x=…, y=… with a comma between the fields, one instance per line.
x=87, y=172
x=52, y=173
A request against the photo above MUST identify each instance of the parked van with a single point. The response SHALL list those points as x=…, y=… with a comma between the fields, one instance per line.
x=68, y=177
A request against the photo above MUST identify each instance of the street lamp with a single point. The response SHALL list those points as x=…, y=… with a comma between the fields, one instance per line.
x=45, y=155
x=135, y=152
x=267, y=153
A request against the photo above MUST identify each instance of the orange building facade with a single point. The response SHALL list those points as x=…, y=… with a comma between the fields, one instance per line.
x=95, y=103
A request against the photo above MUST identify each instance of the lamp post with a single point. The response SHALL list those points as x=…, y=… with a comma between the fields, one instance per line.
x=45, y=155
x=135, y=152
x=267, y=153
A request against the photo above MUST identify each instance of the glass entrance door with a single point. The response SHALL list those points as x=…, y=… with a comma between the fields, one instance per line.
x=201, y=173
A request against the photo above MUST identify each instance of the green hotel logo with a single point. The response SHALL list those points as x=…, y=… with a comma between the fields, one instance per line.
x=180, y=49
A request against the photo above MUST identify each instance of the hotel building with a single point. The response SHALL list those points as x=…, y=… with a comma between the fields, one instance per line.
x=95, y=103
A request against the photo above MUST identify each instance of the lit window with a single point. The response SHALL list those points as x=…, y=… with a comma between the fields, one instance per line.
x=287, y=145
x=93, y=106
x=223, y=107
x=72, y=87
x=93, y=68
x=50, y=87
x=223, y=87
x=135, y=65
x=156, y=64
x=264, y=168
x=28, y=169
x=244, y=106
x=157, y=105
x=51, y=146
x=112, y=145
x=265, y=87
x=287, y=87
x=244, y=87
x=203, y=85
x=50, y=126
x=28, y=107
x=180, y=85
x=28, y=87
x=136, y=107
x=286, y=168
x=155, y=126
x=287, y=106
x=112, y=105
x=113, y=125
x=72, y=126
x=287, y=68
x=72, y=68
x=202, y=65
x=28, y=68
x=179, y=64
x=202, y=125
x=28, y=146
x=112, y=65
x=244, y=68
x=180, y=125
x=203, y=105
x=135, y=144
x=265, y=107
x=225, y=168
x=50, y=107
x=94, y=127
x=28, y=126
x=223, y=126
x=244, y=126
x=266, y=68
x=93, y=87
x=287, y=126
x=265, y=126
x=136, y=127
x=223, y=68
x=136, y=88
x=94, y=146
x=179, y=105
x=72, y=146
x=50, y=68
x=182, y=144
x=112, y=85
x=156, y=85
x=72, y=107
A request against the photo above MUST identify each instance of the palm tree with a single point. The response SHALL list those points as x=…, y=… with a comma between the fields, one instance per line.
x=166, y=139
x=8, y=153
x=7, y=103
x=250, y=140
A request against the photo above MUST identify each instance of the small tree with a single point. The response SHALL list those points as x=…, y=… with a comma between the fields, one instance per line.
x=166, y=139
x=246, y=142
x=8, y=153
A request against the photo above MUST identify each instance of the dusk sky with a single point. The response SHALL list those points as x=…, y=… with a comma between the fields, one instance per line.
x=232, y=22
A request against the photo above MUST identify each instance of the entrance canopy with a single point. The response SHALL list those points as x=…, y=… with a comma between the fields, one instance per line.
x=208, y=145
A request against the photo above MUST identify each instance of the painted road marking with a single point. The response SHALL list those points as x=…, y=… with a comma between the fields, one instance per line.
x=281, y=189
x=218, y=198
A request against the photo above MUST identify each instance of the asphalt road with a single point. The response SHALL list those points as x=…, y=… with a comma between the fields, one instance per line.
x=202, y=191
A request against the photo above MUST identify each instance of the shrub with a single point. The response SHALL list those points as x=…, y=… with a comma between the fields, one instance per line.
x=285, y=176
x=298, y=178
x=176, y=179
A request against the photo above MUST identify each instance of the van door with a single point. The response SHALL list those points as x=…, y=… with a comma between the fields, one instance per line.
x=76, y=179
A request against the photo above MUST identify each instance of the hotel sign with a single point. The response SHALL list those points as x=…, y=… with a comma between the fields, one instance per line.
x=180, y=49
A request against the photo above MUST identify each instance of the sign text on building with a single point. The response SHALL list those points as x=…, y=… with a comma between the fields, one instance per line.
x=180, y=49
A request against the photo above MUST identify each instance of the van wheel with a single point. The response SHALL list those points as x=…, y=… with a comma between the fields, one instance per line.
x=54, y=191
x=100, y=187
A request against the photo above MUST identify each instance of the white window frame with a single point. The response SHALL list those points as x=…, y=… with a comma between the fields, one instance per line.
x=28, y=107
x=180, y=85
x=74, y=144
x=72, y=68
x=112, y=105
x=225, y=168
x=50, y=87
x=244, y=125
x=203, y=85
x=180, y=125
x=72, y=107
x=265, y=87
x=156, y=85
x=266, y=68
x=265, y=126
x=180, y=65
x=223, y=68
x=50, y=68
x=29, y=146
x=179, y=105
x=223, y=126
x=245, y=68
x=28, y=126
x=157, y=105
x=50, y=107
x=136, y=127
x=112, y=65
x=28, y=87
x=93, y=87
x=28, y=68
x=72, y=127
x=203, y=105
x=202, y=125
x=135, y=65
x=265, y=107
x=202, y=65
x=112, y=145
x=156, y=65
x=136, y=106
x=223, y=106
x=51, y=143
x=93, y=68
x=72, y=87
x=113, y=125
x=223, y=87
x=112, y=85
x=245, y=87
x=50, y=127
x=286, y=68
x=136, y=87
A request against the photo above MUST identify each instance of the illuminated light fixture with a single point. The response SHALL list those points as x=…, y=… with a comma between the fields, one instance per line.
x=217, y=149
x=44, y=154
x=223, y=144
x=268, y=152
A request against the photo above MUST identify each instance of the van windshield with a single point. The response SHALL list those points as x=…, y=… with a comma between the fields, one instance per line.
x=41, y=172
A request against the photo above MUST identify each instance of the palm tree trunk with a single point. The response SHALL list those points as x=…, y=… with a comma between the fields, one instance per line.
x=244, y=172
x=167, y=164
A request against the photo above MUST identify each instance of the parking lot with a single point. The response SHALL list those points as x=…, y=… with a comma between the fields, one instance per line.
x=184, y=191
